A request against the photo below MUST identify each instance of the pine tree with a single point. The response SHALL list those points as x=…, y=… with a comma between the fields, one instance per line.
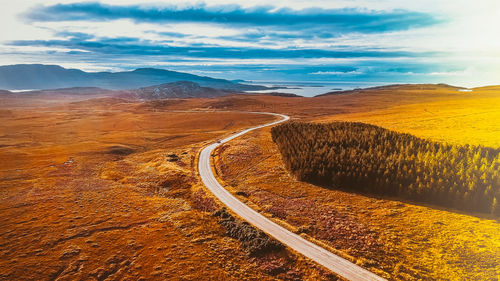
x=361, y=156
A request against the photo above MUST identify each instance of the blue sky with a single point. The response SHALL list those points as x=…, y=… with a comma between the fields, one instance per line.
x=456, y=42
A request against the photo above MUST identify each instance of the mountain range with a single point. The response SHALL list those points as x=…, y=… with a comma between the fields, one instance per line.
x=39, y=76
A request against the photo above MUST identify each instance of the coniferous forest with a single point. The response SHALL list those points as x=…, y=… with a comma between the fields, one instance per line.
x=367, y=158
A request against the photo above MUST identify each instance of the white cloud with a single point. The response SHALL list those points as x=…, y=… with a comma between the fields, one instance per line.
x=336, y=73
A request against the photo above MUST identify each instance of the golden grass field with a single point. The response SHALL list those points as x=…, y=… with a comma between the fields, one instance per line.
x=458, y=121
x=89, y=189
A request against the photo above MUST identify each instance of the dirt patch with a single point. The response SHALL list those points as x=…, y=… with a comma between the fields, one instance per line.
x=120, y=150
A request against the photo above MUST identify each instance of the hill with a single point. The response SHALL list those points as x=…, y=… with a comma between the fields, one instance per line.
x=181, y=89
x=394, y=87
x=39, y=76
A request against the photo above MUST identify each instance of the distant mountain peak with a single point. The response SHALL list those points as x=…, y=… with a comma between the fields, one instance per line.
x=39, y=76
x=151, y=70
x=34, y=65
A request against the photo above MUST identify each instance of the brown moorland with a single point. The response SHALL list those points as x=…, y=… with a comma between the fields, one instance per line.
x=106, y=189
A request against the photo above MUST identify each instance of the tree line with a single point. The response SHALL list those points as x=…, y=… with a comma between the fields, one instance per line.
x=367, y=158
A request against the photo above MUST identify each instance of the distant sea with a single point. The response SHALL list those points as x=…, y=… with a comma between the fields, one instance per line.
x=22, y=91
x=312, y=88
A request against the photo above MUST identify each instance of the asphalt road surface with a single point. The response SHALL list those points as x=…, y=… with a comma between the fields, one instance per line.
x=316, y=253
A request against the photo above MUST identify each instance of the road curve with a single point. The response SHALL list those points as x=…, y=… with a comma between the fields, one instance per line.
x=318, y=254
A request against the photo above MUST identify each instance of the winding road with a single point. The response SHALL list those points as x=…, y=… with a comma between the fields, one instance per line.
x=318, y=254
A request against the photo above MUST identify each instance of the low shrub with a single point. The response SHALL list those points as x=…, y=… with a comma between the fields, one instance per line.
x=254, y=240
x=202, y=202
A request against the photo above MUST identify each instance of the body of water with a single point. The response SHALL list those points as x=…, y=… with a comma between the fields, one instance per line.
x=312, y=88
x=22, y=91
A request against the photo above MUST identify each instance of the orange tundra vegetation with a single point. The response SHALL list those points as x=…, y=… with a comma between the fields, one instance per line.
x=105, y=187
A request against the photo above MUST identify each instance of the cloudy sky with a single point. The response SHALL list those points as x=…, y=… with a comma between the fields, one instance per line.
x=393, y=41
